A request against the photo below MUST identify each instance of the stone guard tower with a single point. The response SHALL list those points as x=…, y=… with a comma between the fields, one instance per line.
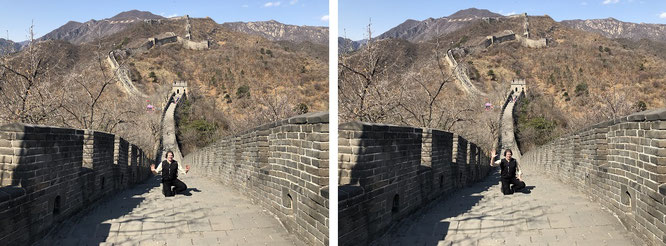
x=179, y=87
x=518, y=85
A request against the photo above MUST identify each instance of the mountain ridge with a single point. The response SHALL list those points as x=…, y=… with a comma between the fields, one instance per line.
x=277, y=31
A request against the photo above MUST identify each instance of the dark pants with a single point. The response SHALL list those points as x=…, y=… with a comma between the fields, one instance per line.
x=167, y=184
x=509, y=185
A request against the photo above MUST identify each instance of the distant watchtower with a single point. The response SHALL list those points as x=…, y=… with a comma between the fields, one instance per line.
x=518, y=86
x=179, y=87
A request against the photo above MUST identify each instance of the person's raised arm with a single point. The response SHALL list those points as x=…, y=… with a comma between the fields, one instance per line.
x=492, y=159
x=186, y=169
x=154, y=170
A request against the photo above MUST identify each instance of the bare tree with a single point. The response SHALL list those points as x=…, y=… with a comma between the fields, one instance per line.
x=613, y=103
x=275, y=106
x=366, y=84
x=90, y=109
x=27, y=92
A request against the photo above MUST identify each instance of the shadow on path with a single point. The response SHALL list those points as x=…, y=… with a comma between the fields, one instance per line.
x=429, y=220
x=122, y=214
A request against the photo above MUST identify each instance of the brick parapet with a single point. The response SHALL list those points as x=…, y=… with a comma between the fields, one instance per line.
x=48, y=174
x=387, y=172
x=282, y=166
x=621, y=164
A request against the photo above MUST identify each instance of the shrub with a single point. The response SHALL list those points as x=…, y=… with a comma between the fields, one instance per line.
x=152, y=76
x=243, y=91
x=640, y=106
x=581, y=89
x=301, y=108
x=491, y=73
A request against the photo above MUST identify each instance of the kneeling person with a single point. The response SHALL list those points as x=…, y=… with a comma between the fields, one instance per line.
x=508, y=170
x=169, y=169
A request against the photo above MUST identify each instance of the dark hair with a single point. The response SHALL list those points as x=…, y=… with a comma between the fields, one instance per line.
x=508, y=150
x=167, y=153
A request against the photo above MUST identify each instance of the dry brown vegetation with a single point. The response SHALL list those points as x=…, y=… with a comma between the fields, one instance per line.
x=580, y=79
x=242, y=81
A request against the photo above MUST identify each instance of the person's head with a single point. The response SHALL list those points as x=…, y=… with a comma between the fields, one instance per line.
x=169, y=155
x=508, y=153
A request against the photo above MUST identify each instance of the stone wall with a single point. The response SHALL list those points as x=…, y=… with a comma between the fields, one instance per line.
x=192, y=45
x=619, y=163
x=48, y=174
x=170, y=37
x=388, y=172
x=282, y=166
x=532, y=43
x=122, y=74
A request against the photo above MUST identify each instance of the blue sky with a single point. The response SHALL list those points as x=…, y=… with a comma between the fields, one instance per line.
x=354, y=14
x=15, y=15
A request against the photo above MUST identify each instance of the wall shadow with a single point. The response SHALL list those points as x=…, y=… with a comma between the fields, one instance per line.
x=430, y=225
x=91, y=226
x=387, y=173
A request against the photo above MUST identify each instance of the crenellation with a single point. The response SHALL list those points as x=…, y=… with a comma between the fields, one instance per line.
x=51, y=173
x=388, y=172
x=628, y=174
x=282, y=166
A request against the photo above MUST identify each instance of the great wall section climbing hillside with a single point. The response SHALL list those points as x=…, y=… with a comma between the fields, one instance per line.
x=54, y=175
x=122, y=72
x=460, y=70
x=50, y=174
x=409, y=177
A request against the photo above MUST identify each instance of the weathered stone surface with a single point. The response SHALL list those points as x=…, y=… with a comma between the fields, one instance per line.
x=387, y=172
x=622, y=170
x=481, y=215
x=282, y=166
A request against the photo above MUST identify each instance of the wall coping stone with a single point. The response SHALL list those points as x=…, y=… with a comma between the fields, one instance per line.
x=308, y=118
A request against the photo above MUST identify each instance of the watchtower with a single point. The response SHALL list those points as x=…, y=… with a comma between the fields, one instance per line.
x=179, y=87
x=518, y=86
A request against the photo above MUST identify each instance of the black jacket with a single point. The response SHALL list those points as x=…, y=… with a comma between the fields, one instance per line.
x=169, y=171
x=508, y=168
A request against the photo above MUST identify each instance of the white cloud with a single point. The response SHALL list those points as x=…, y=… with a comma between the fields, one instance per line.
x=244, y=6
x=324, y=18
x=662, y=15
x=172, y=15
x=272, y=4
x=292, y=2
x=610, y=1
x=583, y=3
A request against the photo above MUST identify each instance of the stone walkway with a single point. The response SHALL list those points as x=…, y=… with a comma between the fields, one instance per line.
x=551, y=214
x=211, y=215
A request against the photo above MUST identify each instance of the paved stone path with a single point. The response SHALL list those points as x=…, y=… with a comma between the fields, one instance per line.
x=507, y=131
x=169, y=131
x=552, y=214
x=212, y=215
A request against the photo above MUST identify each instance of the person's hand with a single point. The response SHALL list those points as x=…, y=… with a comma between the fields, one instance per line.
x=152, y=167
x=187, y=168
